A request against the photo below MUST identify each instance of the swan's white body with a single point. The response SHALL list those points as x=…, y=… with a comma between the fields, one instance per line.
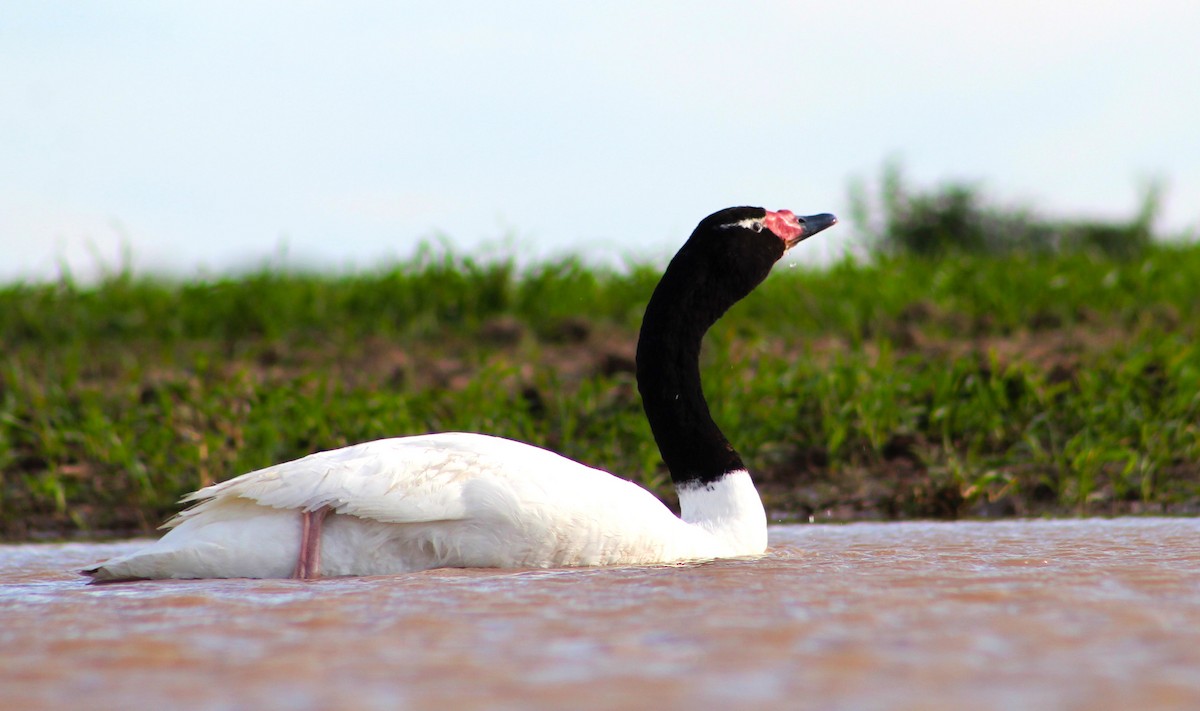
x=444, y=500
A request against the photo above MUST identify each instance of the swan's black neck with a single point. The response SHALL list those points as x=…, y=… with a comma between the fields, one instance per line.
x=699, y=285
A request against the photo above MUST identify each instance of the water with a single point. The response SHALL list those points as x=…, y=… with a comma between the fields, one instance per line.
x=1014, y=615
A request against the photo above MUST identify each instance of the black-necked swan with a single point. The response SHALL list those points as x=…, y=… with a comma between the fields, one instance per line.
x=473, y=500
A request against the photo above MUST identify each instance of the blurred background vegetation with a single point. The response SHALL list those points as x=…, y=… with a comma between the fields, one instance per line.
x=956, y=218
x=981, y=361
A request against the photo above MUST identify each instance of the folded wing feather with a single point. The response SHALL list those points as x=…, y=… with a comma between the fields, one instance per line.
x=400, y=480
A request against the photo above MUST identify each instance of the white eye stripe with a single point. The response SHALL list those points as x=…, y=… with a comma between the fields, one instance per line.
x=750, y=223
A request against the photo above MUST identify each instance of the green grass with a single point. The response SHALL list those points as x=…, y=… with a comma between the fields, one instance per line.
x=971, y=385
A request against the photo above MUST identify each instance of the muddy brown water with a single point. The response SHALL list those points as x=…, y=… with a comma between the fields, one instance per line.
x=1089, y=614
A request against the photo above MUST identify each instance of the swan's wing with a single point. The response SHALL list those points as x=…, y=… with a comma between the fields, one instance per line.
x=400, y=480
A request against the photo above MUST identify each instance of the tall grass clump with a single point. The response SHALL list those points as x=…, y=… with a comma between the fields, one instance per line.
x=957, y=218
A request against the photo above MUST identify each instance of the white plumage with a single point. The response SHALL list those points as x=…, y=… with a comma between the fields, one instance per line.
x=440, y=500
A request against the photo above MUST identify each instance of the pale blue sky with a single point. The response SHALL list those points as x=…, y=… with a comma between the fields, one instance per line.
x=208, y=135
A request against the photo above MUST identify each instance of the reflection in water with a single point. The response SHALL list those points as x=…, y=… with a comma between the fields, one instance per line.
x=1015, y=615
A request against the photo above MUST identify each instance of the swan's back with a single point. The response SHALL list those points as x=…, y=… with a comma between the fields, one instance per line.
x=398, y=480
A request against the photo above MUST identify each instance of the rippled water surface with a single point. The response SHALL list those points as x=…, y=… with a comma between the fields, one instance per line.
x=1015, y=615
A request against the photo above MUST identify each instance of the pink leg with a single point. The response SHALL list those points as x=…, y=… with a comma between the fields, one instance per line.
x=308, y=564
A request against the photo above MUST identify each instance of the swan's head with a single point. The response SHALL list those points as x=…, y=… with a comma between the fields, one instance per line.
x=788, y=227
x=737, y=246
